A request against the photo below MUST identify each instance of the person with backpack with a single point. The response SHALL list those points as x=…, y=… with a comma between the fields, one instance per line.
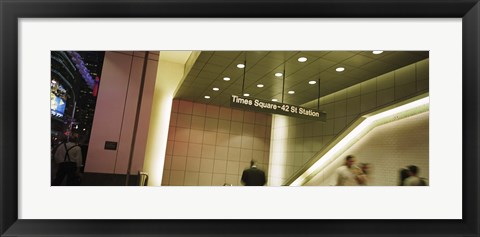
x=68, y=158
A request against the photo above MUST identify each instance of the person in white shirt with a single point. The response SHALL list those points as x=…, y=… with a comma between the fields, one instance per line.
x=350, y=174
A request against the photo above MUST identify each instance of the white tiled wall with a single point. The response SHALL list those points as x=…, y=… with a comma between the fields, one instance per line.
x=304, y=138
x=388, y=148
x=212, y=145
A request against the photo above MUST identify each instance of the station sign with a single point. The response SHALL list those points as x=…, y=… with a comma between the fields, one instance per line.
x=265, y=106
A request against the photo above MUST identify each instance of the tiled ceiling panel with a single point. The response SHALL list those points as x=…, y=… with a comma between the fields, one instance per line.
x=212, y=66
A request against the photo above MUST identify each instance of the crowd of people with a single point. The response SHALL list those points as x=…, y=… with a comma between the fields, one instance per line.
x=351, y=174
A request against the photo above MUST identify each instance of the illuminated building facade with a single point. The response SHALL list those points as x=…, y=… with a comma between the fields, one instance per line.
x=74, y=76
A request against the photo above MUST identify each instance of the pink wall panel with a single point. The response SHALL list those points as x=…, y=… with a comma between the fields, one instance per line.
x=144, y=119
x=108, y=112
x=211, y=145
x=115, y=114
x=131, y=100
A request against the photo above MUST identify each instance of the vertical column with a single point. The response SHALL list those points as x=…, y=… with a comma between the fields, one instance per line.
x=172, y=68
x=278, y=150
x=115, y=112
x=128, y=124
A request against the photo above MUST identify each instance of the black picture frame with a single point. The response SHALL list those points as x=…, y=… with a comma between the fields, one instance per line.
x=11, y=11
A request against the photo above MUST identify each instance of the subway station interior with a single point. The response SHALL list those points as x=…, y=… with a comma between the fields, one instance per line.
x=199, y=118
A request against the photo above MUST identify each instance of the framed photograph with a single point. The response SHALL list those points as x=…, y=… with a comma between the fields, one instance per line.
x=434, y=42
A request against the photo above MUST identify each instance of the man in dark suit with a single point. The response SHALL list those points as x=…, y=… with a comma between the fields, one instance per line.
x=253, y=176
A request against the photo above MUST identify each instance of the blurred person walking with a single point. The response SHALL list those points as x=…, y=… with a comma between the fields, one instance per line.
x=349, y=174
x=366, y=176
x=404, y=174
x=414, y=180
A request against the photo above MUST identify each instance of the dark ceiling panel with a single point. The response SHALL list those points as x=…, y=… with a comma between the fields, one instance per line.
x=339, y=56
x=401, y=59
x=211, y=66
x=357, y=61
x=204, y=56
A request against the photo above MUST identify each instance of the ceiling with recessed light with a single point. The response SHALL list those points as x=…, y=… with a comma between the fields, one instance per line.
x=291, y=75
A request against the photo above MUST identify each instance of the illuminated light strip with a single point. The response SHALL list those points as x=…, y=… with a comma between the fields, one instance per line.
x=277, y=150
x=364, y=127
x=400, y=109
x=327, y=157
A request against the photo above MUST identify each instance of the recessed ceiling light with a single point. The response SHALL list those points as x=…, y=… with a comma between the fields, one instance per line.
x=274, y=100
x=291, y=92
x=278, y=74
x=241, y=65
x=216, y=89
x=246, y=94
x=312, y=82
x=377, y=52
x=302, y=59
x=226, y=78
x=340, y=69
x=260, y=85
x=207, y=97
